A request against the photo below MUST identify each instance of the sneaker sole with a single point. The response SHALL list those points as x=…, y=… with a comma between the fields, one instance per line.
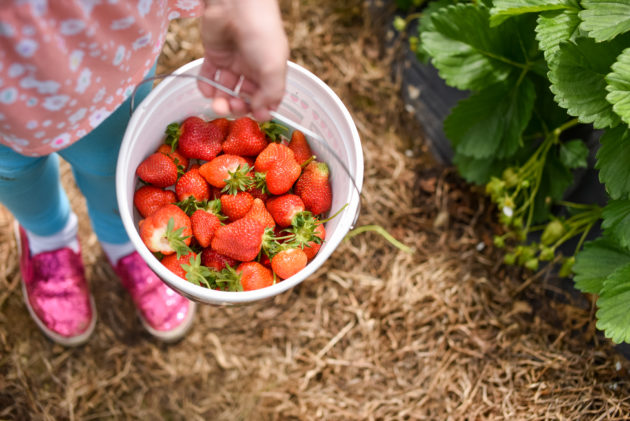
x=176, y=334
x=55, y=337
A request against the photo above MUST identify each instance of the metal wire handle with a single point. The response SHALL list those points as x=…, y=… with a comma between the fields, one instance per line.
x=275, y=115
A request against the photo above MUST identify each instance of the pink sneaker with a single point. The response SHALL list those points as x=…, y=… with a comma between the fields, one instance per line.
x=56, y=293
x=164, y=313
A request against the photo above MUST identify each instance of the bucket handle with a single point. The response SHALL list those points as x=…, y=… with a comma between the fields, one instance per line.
x=274, y=114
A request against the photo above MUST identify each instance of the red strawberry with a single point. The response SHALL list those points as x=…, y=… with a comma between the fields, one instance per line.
x=217, y=171
x=180, y=160
x=245, y=138
x=273, y=153
x=312, y=247
x=147, y=199
x=204, y=223
x=214, y=260
x=241, y=240
x=167, y=230
x=300, y=147
x=265, y=261
x=288, y=262
x=174, y=263
x=284, y=208
x=196, y=138
x=259, y=212
x=258, y=193
x=281, y=177
x=224, y=125
x=236, y=206
x=254, y=276
x=314, y=188
x=193, y=184
x=157, y=169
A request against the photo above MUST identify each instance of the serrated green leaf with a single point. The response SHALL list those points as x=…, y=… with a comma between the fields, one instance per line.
x=490, y=123
x=613, y=314
x=578, y=79
x=573, y=154
x=425, y=24
x=596, y=261
x=612, y=161
x=616, y=221
x=555, y=27
x=605, y=19
x=619, y=86
x=469, y=55
x=504, y=9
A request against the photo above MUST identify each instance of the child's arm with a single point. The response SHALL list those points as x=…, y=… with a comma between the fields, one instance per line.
x=244, y=37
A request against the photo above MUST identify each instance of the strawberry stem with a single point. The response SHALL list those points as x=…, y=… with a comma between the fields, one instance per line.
x=381, y=231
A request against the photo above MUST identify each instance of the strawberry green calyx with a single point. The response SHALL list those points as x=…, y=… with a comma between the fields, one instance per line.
x=175, y=239
x=173, y=132
x=198, y=274
x=238, y=180
x=260, y=182
x=303, y=228
x=190, y=206
x=228, y=279
x=274, y=131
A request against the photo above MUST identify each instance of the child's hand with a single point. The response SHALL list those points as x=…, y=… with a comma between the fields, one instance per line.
x=244, y=38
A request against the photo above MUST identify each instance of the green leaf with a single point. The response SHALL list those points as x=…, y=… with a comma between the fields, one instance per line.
x=616, y=221
x=605, y=19
x=578, y=80
x=553, y=28
x=504, y=9
x=597, y=260
x=612, y=161
x=613, y=304
x=573, y=154
x=466, y=54
x=425, y=24
x=619, y=86
x=490, y=122
x=477, y=171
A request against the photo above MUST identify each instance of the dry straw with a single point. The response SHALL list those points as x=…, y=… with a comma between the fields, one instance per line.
x=376, y=334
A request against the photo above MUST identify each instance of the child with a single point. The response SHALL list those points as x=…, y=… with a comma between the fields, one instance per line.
x=67, y=68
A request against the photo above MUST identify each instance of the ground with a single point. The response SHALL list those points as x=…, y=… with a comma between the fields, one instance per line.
x=376, y=334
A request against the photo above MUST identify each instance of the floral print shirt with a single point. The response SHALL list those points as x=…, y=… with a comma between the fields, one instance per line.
x=65, y=65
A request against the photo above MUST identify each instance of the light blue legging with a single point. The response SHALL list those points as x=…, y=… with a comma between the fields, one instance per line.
x=30, y=187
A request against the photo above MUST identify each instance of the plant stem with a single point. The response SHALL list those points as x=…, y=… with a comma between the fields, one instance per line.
x=379, y=230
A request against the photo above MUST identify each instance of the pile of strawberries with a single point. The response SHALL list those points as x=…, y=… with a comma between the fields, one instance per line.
x=233, y=204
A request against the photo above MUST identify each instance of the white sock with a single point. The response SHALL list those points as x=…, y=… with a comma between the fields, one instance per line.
x=116, y=251
x=67, y=237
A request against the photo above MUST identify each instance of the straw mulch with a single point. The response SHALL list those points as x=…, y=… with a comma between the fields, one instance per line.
x=444, y=334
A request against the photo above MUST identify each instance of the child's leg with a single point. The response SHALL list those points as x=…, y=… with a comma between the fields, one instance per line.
x=93, y=160
x=30, y=189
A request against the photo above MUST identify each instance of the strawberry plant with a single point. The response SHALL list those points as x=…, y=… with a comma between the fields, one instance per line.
x=537, y=70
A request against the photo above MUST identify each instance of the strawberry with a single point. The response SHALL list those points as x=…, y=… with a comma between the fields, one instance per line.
x=204, y=223
x=241, y=240
x=288, y=262
x=214, y=260
x=254, y=276
x=300, y=147
x=180, y=160
x=258, y=193
x=314, y=188
x=236, y=206
x=174, y=263
x=224, y=125
x=276, y=165
x=192, y=184
x=259, y=212
x=245, y=138
x=147, y=199
x=312, y=247
x=195, y=138
x=284, y=208
x=167, y=230
x=265, y=260
x=157, y=169
x=217, y=171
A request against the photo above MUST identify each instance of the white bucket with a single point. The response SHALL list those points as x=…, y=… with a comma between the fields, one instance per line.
x=307, y=101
